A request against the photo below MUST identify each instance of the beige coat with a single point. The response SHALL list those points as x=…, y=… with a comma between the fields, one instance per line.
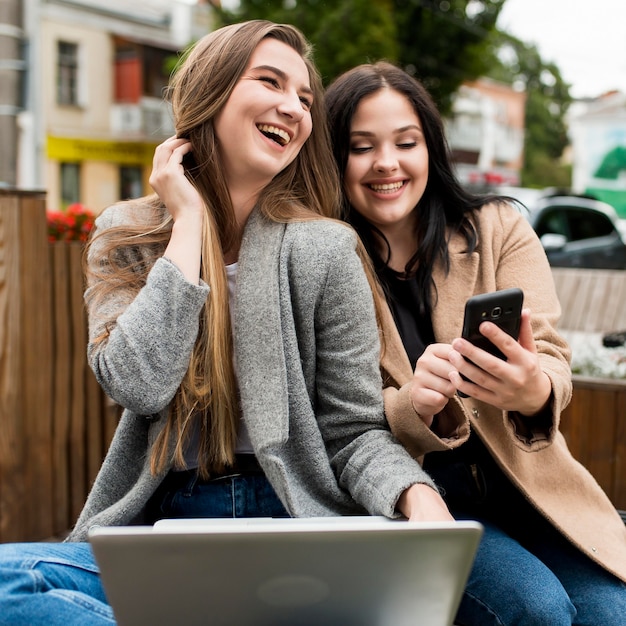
x=537, y=461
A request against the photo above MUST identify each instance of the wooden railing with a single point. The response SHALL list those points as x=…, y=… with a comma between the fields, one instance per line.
x=594, y=426
x=55, y=422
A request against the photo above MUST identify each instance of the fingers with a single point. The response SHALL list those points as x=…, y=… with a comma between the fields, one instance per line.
x=169, y=153
x=431, y=388
x=421, y=503
x=526, y=337
x=169, y=181
x=517, y=383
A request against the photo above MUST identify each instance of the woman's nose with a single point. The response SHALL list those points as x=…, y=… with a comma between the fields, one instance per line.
x=291, y=105
x=385, y=161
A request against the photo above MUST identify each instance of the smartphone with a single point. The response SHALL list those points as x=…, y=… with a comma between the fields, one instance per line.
x=503, y=308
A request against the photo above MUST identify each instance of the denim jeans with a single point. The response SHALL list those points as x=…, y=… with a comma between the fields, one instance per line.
x=58, y=584
x=548, y=583
x=525, y=572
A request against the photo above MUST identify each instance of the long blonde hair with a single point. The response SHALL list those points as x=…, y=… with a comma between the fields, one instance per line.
x=306, y=189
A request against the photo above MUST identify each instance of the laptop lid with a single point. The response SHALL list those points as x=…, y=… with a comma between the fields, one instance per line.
x=346, y=571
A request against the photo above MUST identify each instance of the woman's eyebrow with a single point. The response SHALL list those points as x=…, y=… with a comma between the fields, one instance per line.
x=282, y=75
x=403, y=129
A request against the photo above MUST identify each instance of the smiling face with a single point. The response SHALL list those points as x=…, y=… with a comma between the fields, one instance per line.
x=387, y=167
x=267, y=117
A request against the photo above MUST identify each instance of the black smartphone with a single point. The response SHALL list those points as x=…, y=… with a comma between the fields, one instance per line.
x=503, y=308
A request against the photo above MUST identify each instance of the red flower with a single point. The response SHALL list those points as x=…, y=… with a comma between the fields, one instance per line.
x=73, y=224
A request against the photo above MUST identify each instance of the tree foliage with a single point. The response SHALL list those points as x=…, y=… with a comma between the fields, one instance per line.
x=443, y=42
x=344, y=33
x=548, y=99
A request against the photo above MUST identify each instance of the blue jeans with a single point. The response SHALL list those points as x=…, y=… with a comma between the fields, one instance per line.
x=58, y=584
x=546, y=583
x=525, y=572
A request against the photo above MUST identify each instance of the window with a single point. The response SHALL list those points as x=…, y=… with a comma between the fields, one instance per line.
x=130, y=183
x=552, y=221
x=155, y=73
x=67, y=73
x=70, y=183
x=588, y=224
x=128, y=73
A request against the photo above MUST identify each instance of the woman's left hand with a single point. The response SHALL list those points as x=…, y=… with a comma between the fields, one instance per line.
x=517, y=384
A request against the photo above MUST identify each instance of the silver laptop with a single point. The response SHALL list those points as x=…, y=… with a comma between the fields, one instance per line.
x=346, y=571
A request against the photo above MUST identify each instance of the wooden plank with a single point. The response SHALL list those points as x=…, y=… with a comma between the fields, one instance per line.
x=566, y=289
x=614, y=308
x=36, y=372
x=585, y=302
x=12, y=487
x=592, y=300
x=573, y=424
x=62, y=386
x=94, y=397
x=618, y=321
x=594, y=426
x=95, y=419
x=618, y=495
x=595, y=314
x=600, y=433
x=78, y=427
x=113, y=412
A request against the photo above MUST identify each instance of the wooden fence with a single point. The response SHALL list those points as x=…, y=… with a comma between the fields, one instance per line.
x=594, y=426
x=55, y=422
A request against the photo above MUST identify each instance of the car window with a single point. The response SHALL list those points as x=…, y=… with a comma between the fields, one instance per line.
x=588, y=224
x=552, y=221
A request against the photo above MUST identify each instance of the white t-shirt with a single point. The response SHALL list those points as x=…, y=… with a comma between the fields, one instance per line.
x=243, y=440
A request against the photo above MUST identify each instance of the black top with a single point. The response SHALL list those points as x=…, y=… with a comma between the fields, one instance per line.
x=451, y=469
x=416, y=331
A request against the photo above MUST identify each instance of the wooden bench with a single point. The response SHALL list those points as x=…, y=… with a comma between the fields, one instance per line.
x=593, y=301
x=594, y=424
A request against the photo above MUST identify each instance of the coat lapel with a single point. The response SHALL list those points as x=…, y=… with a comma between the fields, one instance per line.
x=258, y=345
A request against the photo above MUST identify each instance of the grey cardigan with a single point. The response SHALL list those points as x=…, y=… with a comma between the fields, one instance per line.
x=307, y=362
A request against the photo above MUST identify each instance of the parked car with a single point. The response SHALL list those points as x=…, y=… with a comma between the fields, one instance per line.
x=576, y=231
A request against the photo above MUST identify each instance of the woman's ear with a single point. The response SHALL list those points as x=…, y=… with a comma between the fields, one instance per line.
x=189, y=163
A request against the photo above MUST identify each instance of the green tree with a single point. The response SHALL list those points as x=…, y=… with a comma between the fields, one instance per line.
x=444, y=43
x=548, y=99
x=344, y=33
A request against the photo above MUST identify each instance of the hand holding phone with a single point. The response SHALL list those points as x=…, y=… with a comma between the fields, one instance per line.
x=503, y=308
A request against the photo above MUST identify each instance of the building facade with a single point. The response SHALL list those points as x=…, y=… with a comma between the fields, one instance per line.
x=94, y=109
x=597, y=130
x=486, y=133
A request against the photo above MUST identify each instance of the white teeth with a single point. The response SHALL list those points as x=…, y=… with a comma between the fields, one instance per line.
x=387, y=186
x=279, y=132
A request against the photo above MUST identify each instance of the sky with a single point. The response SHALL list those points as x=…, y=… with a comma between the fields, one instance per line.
x=586, y=40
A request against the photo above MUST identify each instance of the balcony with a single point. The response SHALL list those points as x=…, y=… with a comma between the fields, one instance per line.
x=149, y=120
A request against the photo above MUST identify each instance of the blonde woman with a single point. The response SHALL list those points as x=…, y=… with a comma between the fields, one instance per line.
x=234, y=322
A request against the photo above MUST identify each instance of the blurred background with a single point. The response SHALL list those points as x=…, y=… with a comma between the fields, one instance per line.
x=81, y=84
x=533, y=96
